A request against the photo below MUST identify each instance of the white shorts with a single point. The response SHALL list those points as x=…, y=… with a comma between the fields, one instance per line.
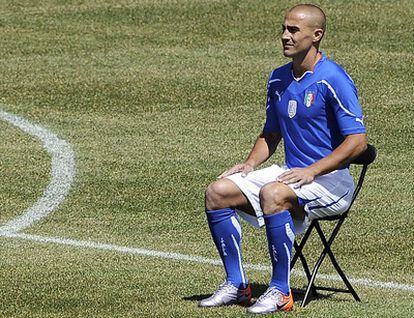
x=329, y=194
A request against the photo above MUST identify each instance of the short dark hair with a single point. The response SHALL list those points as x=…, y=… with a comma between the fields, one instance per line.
x=320, y=19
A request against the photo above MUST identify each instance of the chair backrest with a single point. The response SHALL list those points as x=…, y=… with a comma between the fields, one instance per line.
x=364, y=159
x=367, y=157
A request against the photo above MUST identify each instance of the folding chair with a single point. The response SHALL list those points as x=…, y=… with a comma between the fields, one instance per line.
x=365, y=159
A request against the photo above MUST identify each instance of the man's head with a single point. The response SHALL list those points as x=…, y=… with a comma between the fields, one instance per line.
x=303, y=29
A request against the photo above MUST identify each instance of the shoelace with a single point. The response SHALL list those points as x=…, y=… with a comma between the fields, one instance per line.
x=270, y=292
x=224, y=287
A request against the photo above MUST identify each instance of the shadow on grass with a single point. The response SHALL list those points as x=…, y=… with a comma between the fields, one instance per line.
x=259, y=289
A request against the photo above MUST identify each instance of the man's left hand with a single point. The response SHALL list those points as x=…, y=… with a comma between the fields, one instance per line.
x=297, y=176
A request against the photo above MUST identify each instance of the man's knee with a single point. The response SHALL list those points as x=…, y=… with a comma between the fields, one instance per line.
x=223, y=193
x=276, y=197
x=215, y=194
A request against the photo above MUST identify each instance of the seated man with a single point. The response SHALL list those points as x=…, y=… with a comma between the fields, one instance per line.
x=312, y=104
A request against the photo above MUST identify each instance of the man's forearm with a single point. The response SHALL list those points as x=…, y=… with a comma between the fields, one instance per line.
x=263, y=148
x=352, y=146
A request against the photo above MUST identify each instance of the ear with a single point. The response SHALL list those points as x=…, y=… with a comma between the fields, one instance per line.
x=318, y=35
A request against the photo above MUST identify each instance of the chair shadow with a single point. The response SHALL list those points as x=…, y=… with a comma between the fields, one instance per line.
x=259, y=289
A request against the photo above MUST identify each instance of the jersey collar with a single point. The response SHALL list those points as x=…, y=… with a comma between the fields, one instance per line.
x=297, y=79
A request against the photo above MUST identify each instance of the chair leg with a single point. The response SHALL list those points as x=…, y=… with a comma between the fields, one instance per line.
x=305, y=268
x=327, y=245
x=311, y=284
x=343, y=276
x=311, y=288
x=299, y=254
x=299, y=247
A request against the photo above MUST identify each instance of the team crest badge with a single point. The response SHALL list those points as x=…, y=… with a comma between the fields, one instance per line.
x=292, y=108
x=309, y=98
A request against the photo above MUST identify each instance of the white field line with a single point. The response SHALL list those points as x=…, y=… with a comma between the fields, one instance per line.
x=62, y=173
x=194, y=259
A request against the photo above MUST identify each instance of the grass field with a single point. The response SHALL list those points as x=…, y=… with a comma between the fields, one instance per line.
x=156, y=98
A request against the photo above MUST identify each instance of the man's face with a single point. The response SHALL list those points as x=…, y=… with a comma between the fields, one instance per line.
x=297, y=36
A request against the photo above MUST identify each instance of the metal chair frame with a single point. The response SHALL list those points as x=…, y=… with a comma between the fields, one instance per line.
x=365, y=160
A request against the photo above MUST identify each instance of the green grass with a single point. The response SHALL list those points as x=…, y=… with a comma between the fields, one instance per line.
x=24, y=171
x=157, y=98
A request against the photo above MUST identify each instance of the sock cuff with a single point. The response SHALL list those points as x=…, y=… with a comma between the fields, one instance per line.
x=277, y=219
x=219, y=215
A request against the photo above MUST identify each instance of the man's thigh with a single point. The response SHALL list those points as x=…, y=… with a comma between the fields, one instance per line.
x=224, y=193
x=251, y=184
x=327, y=195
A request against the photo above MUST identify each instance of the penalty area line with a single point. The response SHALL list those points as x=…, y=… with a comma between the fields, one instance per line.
x=192, y=258
x=61, y=176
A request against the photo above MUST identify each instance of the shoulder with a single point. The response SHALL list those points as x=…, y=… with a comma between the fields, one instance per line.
x=281, y=73
x=334, y=74
x=279, y=79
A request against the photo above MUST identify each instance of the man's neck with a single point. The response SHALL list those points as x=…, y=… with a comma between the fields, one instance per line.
x=306, y=63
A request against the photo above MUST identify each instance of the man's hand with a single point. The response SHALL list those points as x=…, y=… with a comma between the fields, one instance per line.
x=297, y=176
x=263, y=148
x=244, y=168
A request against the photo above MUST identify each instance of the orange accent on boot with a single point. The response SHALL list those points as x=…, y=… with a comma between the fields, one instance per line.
x=287, y=302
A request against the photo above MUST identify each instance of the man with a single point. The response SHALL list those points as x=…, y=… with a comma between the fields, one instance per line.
x=313, y=105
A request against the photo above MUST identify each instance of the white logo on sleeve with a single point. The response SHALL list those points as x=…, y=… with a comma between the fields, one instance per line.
x=359, y=120
x=279, y=97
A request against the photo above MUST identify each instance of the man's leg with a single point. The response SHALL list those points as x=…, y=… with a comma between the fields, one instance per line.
x=221, y=198
x=276, y=200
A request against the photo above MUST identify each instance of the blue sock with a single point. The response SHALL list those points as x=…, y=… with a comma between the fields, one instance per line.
x=226, y=232
x=280, y=237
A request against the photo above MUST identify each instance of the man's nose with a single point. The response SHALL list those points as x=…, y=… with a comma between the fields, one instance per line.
x=285, y=35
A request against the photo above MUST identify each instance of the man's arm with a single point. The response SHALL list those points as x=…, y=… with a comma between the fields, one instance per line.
x=263, y=148
x=349, y=149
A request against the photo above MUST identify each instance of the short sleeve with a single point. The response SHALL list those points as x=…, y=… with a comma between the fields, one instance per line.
x=343, y=97
x=272, y=122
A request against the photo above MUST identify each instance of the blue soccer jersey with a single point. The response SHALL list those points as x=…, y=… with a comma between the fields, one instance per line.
x=313, y=113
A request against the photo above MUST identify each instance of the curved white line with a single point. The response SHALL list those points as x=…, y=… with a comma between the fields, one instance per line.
x=62, y=174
